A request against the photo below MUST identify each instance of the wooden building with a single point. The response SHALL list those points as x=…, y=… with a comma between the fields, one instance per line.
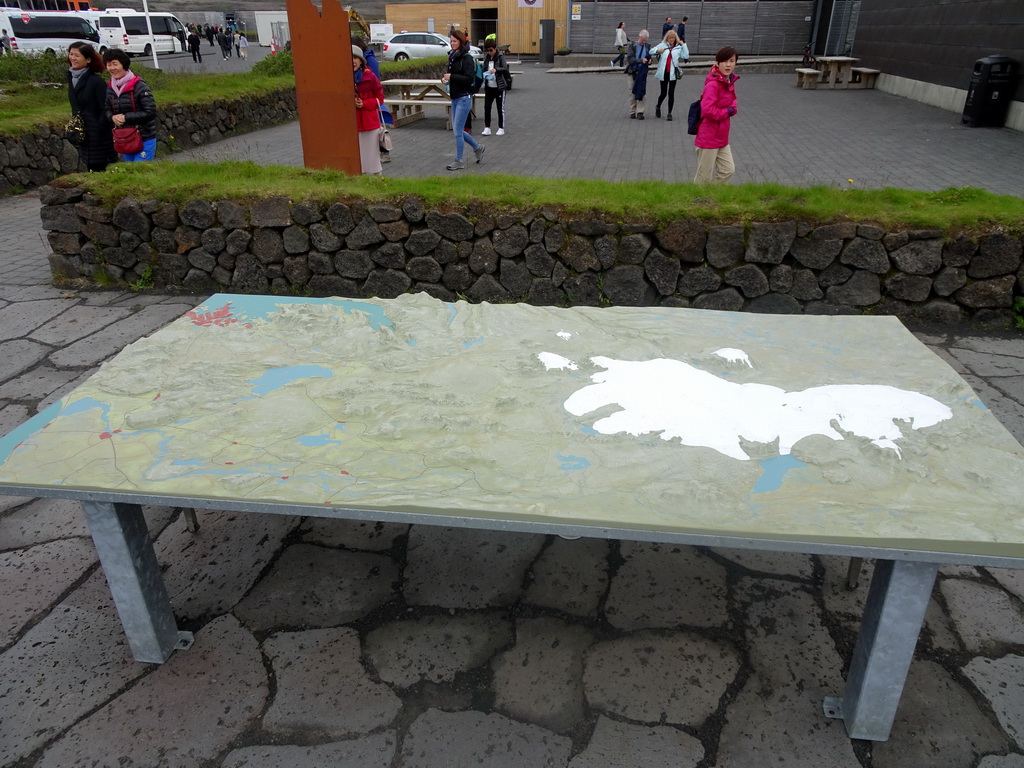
x=515, y=22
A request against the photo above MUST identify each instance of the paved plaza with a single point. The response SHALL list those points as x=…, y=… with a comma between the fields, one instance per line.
x=329, y=643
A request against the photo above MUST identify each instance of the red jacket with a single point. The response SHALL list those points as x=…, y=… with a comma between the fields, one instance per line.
x=718, y=96
x=371, y=92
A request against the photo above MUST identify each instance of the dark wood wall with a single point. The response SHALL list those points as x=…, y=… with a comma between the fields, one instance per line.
x=938, y=41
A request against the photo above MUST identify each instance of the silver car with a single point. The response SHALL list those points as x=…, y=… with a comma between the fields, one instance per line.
x=419, y=45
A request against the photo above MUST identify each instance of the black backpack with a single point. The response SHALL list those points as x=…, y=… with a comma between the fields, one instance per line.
x=693, y=118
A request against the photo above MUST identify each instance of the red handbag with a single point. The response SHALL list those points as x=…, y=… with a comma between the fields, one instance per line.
x=127, y=139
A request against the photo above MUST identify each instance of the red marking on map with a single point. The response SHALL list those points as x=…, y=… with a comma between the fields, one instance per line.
x=220, y=317
x=284, y=477
x=157, y=396
x=344, y=472
x=104, y=435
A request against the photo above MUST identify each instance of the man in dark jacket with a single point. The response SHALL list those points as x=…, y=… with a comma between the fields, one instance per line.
x=194, y=42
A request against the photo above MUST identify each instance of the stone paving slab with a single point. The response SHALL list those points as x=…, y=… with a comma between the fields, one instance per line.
x=624, y=745
x=439, y=738
x=376, y=751
x=23, y=317
x=186, y=711
x=76, y=322
x=38, y=576
x=112, y=339
x=312, y=586
x=323, y=689
x=435, y=648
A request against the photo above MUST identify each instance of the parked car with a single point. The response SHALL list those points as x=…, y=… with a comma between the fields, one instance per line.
x=419, y=45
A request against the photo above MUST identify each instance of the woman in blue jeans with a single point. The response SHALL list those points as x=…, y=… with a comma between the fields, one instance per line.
x=459, y=79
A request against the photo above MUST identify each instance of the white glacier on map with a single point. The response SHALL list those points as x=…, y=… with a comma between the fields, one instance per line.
x=677, y=400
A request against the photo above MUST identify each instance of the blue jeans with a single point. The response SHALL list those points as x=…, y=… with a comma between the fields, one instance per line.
x=148, y=152
x=460, y=111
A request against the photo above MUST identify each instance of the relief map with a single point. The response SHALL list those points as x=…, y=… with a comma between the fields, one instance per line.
x=835, y=429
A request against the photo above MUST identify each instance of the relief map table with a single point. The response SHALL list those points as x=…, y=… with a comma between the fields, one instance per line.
x=837, y=435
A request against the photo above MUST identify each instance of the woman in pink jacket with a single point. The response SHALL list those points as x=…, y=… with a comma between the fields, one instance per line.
x=717, y=106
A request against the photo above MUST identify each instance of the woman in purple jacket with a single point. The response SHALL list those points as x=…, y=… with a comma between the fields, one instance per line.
x=717, y=106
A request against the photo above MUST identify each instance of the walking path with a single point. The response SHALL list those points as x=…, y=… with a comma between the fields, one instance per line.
x=332, y=643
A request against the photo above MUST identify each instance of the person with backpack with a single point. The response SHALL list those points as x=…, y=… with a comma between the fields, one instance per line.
x=636, y=69
x=495, y=86
x=717, y=108
x=463, y=80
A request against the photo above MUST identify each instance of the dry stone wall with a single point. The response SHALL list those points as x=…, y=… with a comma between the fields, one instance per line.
x=539, y=256
x=37, y=157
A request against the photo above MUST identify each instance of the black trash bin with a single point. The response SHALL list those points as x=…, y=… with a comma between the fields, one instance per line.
x=992, y=86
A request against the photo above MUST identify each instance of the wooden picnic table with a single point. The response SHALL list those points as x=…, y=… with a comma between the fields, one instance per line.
x=416, y=94
x=836, y=71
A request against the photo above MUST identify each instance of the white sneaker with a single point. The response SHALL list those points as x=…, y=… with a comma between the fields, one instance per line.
x=501, y=132
x=485, y=132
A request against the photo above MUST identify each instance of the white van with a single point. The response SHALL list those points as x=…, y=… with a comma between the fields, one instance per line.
x=41, y=31
x=125, y=28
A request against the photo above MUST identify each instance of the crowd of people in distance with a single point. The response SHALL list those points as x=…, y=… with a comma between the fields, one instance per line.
x=712, y=112
x=119, y=118
x=228, y=38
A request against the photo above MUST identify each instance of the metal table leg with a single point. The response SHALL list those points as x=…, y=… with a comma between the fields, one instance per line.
x=895, y=609
x=126, y=553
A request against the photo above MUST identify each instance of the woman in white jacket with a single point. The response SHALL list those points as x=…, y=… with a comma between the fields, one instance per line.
x=671, y=54
x=620, y=42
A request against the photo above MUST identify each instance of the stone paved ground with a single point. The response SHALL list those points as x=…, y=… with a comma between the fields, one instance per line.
x=328, y=643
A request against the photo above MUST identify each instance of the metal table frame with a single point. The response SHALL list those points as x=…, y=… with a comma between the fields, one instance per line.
x=898, y=597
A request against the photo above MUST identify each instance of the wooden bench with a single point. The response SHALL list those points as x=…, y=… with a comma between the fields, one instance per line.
x=807, y=78
x=862, y=77
x=412, y=109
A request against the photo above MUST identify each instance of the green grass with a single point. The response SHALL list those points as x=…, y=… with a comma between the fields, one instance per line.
x=961, y=209
x=24, y=105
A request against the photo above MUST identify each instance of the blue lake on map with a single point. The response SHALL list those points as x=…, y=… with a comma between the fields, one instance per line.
x=279, y=377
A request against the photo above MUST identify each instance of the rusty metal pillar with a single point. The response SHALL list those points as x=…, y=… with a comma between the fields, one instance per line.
x=325, y=90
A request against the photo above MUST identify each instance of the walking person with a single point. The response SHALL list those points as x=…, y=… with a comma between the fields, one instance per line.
x=621, y=41
x=666, y=26
x=210, y=34
x=669, y=69
x=243, y=46
x=225, y=44
x=495, y=86
x=194, y=43
x=130, y=103
x=459, y=79
x=369, y=97
x=87, y=93
x=236, y=36
x=636, y=70
x=5, y=42
x=717, y=108
x=681, y=29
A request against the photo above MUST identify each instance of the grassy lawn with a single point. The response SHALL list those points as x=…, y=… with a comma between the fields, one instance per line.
x=966, y=209
x=25, y=104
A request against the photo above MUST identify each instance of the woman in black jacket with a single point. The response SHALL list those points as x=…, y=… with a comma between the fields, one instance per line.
x=459, y=79
x=130, y=103
x=87, y=93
